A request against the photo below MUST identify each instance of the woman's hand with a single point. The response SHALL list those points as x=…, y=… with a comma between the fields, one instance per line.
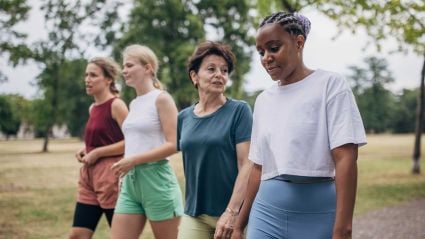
x=237, y=233
x=225, y=224
x=122, y=167
x=90, y=158
x=80, y=154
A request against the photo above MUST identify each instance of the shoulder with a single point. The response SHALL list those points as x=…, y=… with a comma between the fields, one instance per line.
x=185, y=112
x=118, y=104
x=239, y=104
x=164, y=99
x=333, y=80
x=91, y=107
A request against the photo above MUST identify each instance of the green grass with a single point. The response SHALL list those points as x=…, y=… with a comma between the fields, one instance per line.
x=38, y=191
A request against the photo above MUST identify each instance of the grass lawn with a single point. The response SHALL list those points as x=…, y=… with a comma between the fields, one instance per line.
x=38, y=190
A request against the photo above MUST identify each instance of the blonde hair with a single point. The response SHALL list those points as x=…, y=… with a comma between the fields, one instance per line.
x=146, y=56
x=110, y=69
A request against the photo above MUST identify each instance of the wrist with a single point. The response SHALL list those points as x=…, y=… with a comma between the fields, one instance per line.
x=232, y=212
x=133, y=161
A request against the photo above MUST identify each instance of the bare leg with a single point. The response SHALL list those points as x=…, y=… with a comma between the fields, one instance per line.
x=167, y=229
x=80, y=233
x=127, y=226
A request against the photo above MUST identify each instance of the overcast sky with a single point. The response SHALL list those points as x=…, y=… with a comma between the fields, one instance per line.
x=320, y=52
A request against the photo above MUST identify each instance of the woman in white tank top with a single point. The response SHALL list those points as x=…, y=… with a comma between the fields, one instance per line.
x=149, y=186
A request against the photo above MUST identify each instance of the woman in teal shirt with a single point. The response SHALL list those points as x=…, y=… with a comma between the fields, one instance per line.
x=214, y=136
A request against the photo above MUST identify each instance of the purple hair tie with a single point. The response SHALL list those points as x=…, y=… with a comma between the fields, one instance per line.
x=306, y=24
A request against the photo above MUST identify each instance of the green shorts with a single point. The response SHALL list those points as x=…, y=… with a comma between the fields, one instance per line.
x=151, y=189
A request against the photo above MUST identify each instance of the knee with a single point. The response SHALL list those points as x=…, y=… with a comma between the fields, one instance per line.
x=75, y=234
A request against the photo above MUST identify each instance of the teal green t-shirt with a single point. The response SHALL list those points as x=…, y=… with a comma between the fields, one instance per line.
x=208, y=146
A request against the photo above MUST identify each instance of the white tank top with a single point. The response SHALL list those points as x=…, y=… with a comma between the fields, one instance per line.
x=142, y=128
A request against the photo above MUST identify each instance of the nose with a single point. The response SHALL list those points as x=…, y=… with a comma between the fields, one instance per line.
x=266, y=58
x=124, y=71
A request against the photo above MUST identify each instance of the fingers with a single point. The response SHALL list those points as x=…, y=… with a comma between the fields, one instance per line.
x=118, y=169
x=78, y=156
x=223, y=232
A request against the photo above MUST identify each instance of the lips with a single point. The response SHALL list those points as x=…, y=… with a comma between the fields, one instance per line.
x=217, y=83
x=271, y=69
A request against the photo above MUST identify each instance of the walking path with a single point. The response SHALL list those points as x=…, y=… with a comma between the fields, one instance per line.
x=404, y=221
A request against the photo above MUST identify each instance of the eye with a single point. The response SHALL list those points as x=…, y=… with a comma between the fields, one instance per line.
x=274, y=49
x=225, y=70
x=260, y=52
x=211, y=69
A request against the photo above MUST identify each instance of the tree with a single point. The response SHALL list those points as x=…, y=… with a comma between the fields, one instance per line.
x=173, y=28
x=9, y=122
x=75, y=102
x=403, y=120
x=12, y=12
x=375, y=102
x=403, y=21
x=232, y=22
x=69, y=35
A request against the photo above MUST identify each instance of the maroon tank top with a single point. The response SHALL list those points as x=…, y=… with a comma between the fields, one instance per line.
x=101, y=128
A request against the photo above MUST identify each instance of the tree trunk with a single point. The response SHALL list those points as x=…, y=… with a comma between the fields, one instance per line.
x=419, y=118
x=46, y=140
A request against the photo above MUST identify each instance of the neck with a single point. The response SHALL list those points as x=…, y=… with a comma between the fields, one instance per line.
x=144, y=88
x=102, y=97
x=297, y=75
x=209, y=103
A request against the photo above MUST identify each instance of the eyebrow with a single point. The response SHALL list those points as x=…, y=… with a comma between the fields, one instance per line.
x=270, y=42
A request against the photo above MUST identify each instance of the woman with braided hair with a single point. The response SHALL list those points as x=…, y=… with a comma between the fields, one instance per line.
x=305, y=137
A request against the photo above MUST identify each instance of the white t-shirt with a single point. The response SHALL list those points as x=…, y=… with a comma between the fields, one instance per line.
x=142, y=127
x=296, y=126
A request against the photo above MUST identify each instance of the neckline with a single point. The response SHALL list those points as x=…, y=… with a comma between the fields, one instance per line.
x=106, y=101
x=192, y=110
x=146, y=94
x=298, y=83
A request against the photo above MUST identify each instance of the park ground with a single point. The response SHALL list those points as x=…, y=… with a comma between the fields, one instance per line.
x=38, y=190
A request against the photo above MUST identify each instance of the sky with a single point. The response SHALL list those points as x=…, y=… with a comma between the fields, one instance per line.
x=320, y=52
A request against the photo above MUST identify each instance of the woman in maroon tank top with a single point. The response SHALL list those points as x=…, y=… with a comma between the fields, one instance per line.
x=104, y=145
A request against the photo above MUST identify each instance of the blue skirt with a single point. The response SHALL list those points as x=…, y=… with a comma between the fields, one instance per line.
x=286, y=210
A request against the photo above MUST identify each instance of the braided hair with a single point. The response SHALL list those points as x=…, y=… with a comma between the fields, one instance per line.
x=293, y=23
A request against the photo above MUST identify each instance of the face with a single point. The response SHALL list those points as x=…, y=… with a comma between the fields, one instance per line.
x=279, y=51
x=95, y=81
x=134, y=72
x=212, y=76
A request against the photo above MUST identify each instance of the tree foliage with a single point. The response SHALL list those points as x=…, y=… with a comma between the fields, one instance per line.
x=12, y=12
x=9, y=121
x=375, y=102
x=173, y=29
x=232, y=22
x=68, y=24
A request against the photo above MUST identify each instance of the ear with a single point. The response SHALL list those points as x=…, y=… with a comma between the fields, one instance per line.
x=300, y=40
x=193, y=77
x=148, y=67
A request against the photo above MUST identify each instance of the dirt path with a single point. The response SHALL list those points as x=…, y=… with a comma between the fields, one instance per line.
x=404, y=221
